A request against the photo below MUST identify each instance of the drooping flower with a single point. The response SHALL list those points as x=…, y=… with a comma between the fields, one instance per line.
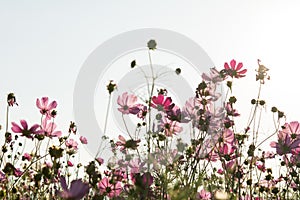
x=128, y=103
x=100, y=160
x=46, y=108
x=235, y=71
x=77, y=191
x=11, y=99
x=48, y=129
x=288, y=139
x=161, y=103
x=109, y=189
x=27, y=132
x=83, y=140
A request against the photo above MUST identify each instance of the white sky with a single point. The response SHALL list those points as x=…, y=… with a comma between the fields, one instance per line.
x=43, y=45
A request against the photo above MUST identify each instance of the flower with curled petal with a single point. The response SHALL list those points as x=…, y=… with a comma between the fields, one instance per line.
x=45, y=107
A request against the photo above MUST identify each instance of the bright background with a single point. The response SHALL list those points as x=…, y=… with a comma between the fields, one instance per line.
x=43, y=45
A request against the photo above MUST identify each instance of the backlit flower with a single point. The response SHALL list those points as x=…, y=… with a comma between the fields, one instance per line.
x=235, y=71
x=45, y=107
x=128, y=103
x=288, y=139
x=109, y=189
x=170, y=127
x=77, y=191
x=203, y=195
x=49, y=129
x=71, y=144
x=27, y=132
x=161, y=103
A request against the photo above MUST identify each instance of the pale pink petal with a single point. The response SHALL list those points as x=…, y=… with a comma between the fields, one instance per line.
x=52, y=105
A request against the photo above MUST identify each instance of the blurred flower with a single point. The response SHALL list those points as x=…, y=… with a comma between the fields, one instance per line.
x=26, y=156
x=49, y=129
x=221, y=195
x=109, y=189
x=71, y=144
x=77, y=190
x=127, y=144
x=70, y=164
x=127, y=103
x=83, y=140
x=203, y=195
x=24, y=130
x=170, y=127
x=11, y=99
x=235, y=71
x=214, y=76
x=288, y=138
x=100, y=160
x=72, y=128
x=45, y=108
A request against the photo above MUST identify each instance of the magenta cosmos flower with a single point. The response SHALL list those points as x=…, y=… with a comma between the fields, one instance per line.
x=109, y=189
x=27, y=132
x=128, y=104
x=45, y=107
x=235, y=71
x=288, y=139
x=161, y=103
x=77, y=190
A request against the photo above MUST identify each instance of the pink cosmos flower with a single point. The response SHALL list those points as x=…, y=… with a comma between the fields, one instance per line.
x=109, y=189
x=77, y=190
x=170, y=127
x=203, y=195
x=45, y=108
x=288, y=139
x=49, y=129
x=127, y=144
x=83, y=140
x=71, y=144
x=24, y=130
x=127, y=103
x=214, y=76
x=161, y=103
x=100, y=160
x=235, y=71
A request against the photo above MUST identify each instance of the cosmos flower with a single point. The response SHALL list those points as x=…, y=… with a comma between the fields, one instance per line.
x=109, y=189
x=27, y=132
x=45, y=107
x=128, y=104
x=288, y=139
x=77, y=190
x=235, y=71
